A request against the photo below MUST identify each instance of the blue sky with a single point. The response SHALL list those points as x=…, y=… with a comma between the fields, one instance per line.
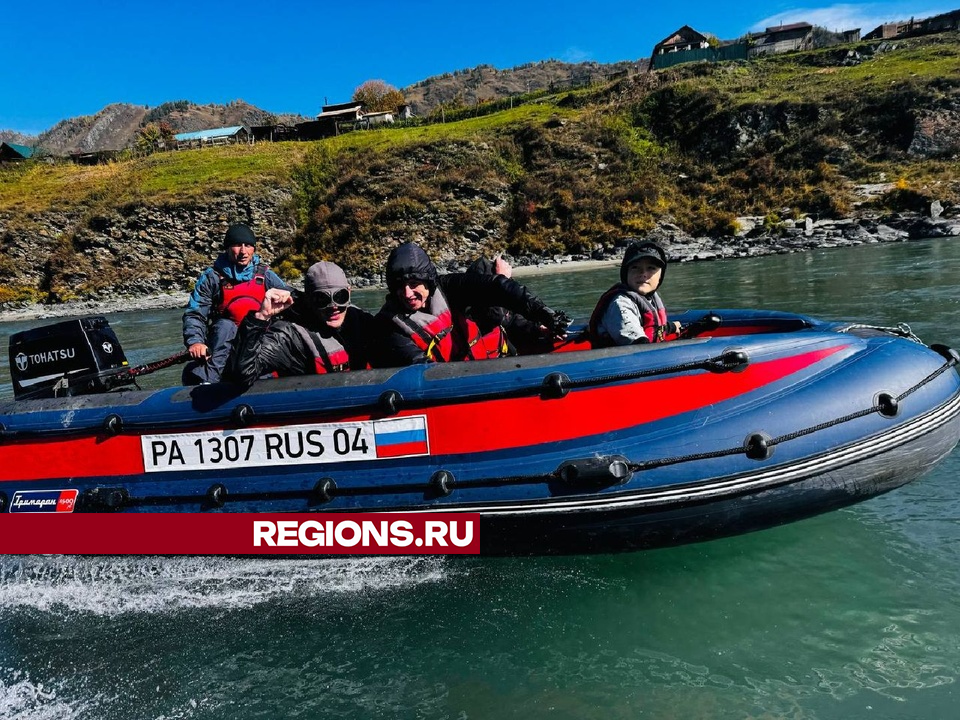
x=66, y=59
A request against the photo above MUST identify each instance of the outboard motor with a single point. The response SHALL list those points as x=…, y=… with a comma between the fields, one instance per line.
x=76, y=357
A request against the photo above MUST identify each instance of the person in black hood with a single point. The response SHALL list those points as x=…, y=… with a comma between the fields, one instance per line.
x=631, y=311
x=426, y=313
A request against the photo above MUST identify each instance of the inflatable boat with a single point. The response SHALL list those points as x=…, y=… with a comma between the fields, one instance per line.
x=755, y=419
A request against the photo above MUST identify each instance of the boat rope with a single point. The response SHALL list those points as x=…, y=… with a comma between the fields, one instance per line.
x=553, y=385
x=557, y=384
x=900, y=330
x=596, y=474
x=758, y=445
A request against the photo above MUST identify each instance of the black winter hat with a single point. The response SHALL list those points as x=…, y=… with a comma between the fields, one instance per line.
x=239, y=234
x=642, y=249
x=409, y=262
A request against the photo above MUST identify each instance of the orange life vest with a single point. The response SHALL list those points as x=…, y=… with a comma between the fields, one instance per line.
x=653, y=315
x=445, y=336
x=239, y=298
x=329, y=355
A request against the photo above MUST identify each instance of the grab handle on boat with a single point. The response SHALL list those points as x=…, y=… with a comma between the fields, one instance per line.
x=708, y=322
x=324, y=489
x=555, y=386
x=595, y=471
x=216, y=495
x=441, y=483
x=243, y=415
x=951, y=355
x=112, y=424
x=390, y=402
x=730, y=360
x=887, y=405
x=104, y=499
x=758, y=446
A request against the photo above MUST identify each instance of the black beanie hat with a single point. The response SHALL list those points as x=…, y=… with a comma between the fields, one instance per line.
x=642, y=249
x=239, y=234
x=409, y=262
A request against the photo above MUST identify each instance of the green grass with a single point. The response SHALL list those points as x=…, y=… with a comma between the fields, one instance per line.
x=816, y=76
x=194, y=174
x=157, y=179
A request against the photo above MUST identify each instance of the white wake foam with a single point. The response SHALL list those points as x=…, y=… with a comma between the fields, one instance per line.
x=133, y=584
x=22, y=698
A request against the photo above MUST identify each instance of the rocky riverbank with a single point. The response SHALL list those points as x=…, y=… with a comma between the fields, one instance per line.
x=754, y=240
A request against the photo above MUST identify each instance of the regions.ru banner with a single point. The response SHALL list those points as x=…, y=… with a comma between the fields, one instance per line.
x=57, y=533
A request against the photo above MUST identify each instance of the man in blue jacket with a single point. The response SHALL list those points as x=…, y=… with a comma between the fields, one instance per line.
x=223, y=295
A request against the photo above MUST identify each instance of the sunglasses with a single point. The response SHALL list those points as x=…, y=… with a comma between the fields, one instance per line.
x=323, y=299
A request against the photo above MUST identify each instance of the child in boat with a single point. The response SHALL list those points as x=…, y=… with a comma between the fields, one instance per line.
x=631, y=311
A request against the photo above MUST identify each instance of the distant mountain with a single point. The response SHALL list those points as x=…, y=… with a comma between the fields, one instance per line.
x=12, y=136
x=485, y=82
x=115, y=127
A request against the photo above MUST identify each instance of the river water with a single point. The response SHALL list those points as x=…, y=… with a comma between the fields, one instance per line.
x=853, y=614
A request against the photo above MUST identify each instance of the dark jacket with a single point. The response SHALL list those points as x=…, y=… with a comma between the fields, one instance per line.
x=525, y=337
x=462, y=291
x=263, y=346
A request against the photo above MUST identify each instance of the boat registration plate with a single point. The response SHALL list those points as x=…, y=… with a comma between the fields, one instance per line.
x=318, y=444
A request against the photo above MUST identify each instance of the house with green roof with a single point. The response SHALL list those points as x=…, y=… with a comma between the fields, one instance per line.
x=10, y=152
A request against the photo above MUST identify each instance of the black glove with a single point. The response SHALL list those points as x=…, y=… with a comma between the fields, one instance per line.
x=556, y=321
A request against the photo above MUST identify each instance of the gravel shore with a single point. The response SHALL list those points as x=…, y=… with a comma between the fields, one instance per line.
x=798, y=237
x=179, y=300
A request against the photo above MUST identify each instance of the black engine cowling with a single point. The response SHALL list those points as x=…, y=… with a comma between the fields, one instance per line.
x=74, y=357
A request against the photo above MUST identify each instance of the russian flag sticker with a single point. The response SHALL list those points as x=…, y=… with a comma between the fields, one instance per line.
x=401, y=437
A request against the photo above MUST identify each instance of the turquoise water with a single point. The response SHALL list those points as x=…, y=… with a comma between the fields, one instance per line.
x=852, y=614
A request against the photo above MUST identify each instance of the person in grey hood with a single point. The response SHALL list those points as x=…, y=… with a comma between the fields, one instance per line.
x=318, y=332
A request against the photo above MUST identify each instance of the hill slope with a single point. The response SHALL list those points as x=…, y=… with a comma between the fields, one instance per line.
x=484, y=83
x=115, y=127
x=715, y=159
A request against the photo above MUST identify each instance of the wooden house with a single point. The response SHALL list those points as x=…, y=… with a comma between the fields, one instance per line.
x=214, y=136
x=683, y=40
x=273, y=133
x=332, y=120
x=688, y=45
x=907, y=28
x=11, y=152
x=781, y=39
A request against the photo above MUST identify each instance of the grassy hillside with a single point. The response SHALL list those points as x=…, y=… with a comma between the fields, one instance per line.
x=694, y=145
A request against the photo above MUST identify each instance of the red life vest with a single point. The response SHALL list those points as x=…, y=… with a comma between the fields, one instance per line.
x=445, y=336
x=653, y=315
x=329, y=355
x=239, y=298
